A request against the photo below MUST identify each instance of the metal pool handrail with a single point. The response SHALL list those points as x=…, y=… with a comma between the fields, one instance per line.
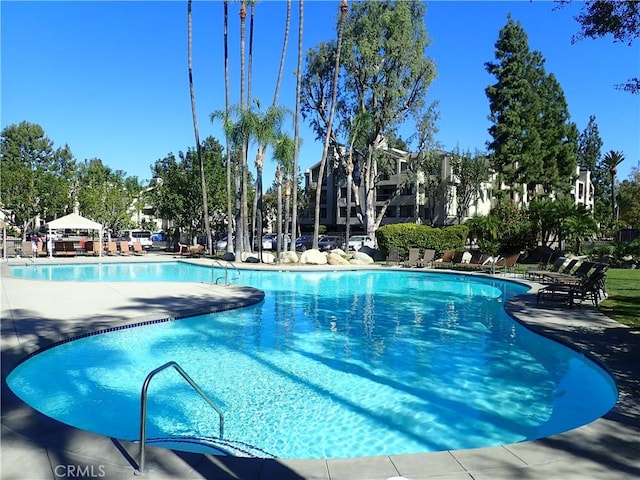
x=143, y=407
x=226, y=272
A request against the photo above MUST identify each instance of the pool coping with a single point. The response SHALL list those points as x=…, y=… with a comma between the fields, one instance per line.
x=607, y=448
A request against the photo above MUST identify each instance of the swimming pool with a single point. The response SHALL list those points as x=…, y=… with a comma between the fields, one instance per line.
x=331, y=364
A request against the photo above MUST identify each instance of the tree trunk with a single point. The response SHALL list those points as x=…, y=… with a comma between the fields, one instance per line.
x=296, y=128
x=203, y=183
x=334, y=93
x=228, y=143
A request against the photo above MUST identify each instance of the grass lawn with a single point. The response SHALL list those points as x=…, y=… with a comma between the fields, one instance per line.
x=623, y=303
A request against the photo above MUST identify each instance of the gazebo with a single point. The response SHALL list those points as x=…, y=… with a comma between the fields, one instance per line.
x=75, y=222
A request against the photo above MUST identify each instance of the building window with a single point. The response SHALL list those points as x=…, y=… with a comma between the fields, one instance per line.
x=406, y=210
x=391, y=212
x=384, y=193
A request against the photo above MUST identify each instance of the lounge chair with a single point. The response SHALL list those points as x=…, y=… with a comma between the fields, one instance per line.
x=191, y=250
x=27, y=249
x=592, y=286
x=124, y=248
x=502, y=263
x=137, y=249
x=393, y=257
x=112, y=248
x=565, y=277
x=446, y=261
x=538, y=273
x=476, y=262
x=414, y=258
x=427, y=258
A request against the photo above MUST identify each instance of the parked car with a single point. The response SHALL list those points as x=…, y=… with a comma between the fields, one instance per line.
x=285, y=244
x=356, y=242
x=267, y=241
x=303, y=242
x=222, y=243
x=143, y=237
x=329, y=242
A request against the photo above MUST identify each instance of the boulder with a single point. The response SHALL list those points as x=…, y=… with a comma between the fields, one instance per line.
x=334, y=258
x=360, y=258
x=313, y=257
x=288, y=257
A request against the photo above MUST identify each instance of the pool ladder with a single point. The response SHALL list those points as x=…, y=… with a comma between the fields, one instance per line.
x=143, y=407
x=227, y=281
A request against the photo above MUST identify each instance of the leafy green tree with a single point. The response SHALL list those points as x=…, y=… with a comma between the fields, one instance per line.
x=621, y=19
x=177, y=197
x=514, y=103
x=37, y=179
x=629, y=200
x=559, y=137
x=384, y=73
x=106, y=195
x=533, y=142
x=589, y=146
x=469, y=173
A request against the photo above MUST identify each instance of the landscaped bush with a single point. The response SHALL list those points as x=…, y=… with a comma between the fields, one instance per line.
x=404, y=236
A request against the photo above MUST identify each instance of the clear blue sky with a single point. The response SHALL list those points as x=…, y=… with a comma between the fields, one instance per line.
x=110, y=78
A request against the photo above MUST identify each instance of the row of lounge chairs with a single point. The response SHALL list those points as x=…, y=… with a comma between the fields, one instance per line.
x=475, y=261
x=588, y=281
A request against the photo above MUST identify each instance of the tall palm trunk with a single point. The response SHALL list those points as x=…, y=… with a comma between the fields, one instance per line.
x=228, y=143
x=296, y=131
x=248, y=245
x=241, y=212
x=262, y=148
x=334, y=93
x=203, y=183
x=279, y=215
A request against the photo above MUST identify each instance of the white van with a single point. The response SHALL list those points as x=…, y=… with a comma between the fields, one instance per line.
x=142, y=237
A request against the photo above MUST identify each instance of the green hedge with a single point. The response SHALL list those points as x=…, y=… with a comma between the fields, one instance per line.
x=404, y=236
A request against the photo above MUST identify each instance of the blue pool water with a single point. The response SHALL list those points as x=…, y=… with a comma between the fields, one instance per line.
x=330, y=364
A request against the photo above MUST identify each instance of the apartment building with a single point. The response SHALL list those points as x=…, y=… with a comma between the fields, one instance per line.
x=413, y=198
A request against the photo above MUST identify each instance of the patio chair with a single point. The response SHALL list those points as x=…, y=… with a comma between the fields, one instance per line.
x=112, y=248
x=138, y=250
x=446, y=261
x=538, y=273
x=576, y=277
x=27, y=249
x=191, y=250
x=427, y=258
x=414, y=258
x=124, y=248
x=593, y=287
x=475, y=262
x=393, y=257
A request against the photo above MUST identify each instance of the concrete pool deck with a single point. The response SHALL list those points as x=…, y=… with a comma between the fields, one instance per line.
x=33, y=447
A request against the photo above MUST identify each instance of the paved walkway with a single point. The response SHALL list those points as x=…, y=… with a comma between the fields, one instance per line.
x=34, y=447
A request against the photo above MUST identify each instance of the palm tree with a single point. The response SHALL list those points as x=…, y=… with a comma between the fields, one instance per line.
x=265, y=130
x=316, y=227
x=283, y=154
x=227, y=113
x=203, y=183
x=296, y=128
x=581, y=226
x=241, y=172
x=611, y=160
x=283, y=54
x=262, y=146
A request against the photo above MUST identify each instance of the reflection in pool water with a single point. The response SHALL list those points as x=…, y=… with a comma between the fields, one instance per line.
x=331, y=364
